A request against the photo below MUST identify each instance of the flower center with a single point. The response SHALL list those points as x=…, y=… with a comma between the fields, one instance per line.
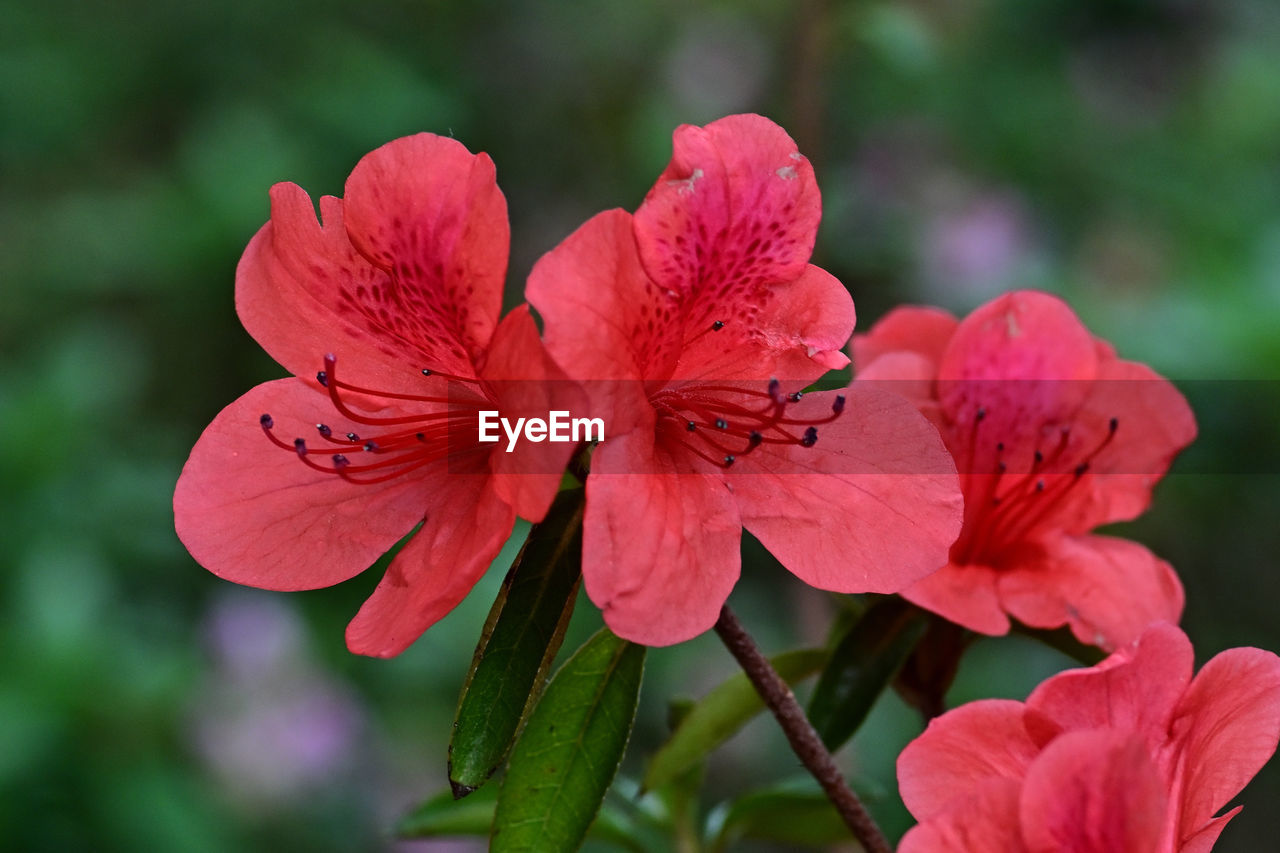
x=721, y=422
x=1002, y=506
x=390, y=446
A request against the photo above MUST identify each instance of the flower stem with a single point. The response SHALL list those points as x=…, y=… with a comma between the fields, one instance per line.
x=800, y=733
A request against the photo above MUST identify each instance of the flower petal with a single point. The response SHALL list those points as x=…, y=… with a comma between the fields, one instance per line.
x=529, y=384
x=465, y=527
x=660, y=549
x=1229, y=723
x=735, y=213
x=1093, y=792
x=429, y=212
x=983, y=819
x=964, y=594
x=916, y=329
x=962, y=749
x=1108, y=590
x=254, y=514
x=872, y=507
x=1018, y=359
x=1207, y=836
x=1136, y=689
x=606, y=323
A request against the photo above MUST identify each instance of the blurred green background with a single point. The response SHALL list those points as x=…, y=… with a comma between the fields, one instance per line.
x=1125, y=153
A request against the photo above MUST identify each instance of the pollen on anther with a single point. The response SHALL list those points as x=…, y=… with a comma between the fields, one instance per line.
x=324, y=430
x=721, y=423
x=266, y=421
x=691, y=426
x=426, y=371
x=351, y=436
x=837, y=405
x=755, y=438
x=810, y=437
x=370, y=446
x=795, y=396
x=717, y=325
x=300, y=445
x=339, y=460
x=322, y=378
x=729, y=460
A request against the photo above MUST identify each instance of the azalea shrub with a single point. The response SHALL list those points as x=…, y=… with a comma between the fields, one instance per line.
x=675, y=377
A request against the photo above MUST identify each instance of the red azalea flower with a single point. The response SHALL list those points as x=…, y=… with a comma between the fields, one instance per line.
x=704, y=319
x=1054, y=436
x=1130, y=756
x=304, y=482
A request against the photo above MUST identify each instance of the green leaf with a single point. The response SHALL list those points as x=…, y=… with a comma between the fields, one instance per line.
x=1064, y=641
x=570, y=748
x=862, y=665
x=720, y=714
x=520, y=639
x=785, y=815
x=443, y=816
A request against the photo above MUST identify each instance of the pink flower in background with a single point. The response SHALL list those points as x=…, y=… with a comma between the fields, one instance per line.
x=1053, y=435
x=1130, y=756
x=696, y=323
x=304, y=482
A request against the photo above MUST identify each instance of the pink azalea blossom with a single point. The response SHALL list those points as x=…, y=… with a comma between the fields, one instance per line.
x=387, y=315
x=1131, y=756
x=696, y=323
x=1054, y=435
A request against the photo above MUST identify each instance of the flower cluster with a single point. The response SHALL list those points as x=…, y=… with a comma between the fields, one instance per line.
x=965, y=467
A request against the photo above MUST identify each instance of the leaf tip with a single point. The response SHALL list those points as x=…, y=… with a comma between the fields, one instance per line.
x=460, y=790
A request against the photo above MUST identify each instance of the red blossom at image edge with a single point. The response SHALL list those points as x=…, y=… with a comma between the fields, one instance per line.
x=1054, y=436
x=694, y=324
x=387, y=315
x=1130, y=756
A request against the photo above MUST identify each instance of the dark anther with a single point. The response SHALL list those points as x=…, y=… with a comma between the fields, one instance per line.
x=721, y=423
x=1039, y=485
x=324, y=430
x=1081, y=469
x=1039, y=457
x=1115, y=424
x=420, y=437
x=775, y=390
x=339, y=460
x=426, y=371
x=1002, y=467
x=300, y=445
x=323, y=378
x=981, y=413
x=999, y=447
x=729, y=460
x=691, y=426
x=266, y=421
x=837, y=405
x=754, y=439
x=370, y=446
x=810, y=437
x=351, y=436
x=795, y=398
x=717, y=325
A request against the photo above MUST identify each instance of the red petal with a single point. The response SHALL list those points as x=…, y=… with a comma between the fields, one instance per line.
x=1019, y=359
x=529, y=384
x=872, y=507
x=1093, y=792
x=1203, y=841
x=1134, y=690
x=253, y=513
x=981, y=821
x=1108, y=590
x=964, y=594
x=429, y=212
x=962, y=749
x=604, y=319
x=660, y=550
x=911, y=328
x=466, y=525
x=735, y=213
x=1228, y=723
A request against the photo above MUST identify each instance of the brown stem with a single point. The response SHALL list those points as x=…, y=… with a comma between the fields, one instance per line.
x=800, y=734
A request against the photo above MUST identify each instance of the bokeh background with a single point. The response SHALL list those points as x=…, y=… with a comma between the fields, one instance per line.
x=1124, y=153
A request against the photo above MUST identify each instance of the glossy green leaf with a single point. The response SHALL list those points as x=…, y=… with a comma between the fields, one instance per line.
x=570, y=748
x=720, y=714
x=442, y=816
x=862, y=665
x=783, y=815
x=520, y=639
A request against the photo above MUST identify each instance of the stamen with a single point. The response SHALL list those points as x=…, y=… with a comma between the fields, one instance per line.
x=717, y=325
x=810, y=437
